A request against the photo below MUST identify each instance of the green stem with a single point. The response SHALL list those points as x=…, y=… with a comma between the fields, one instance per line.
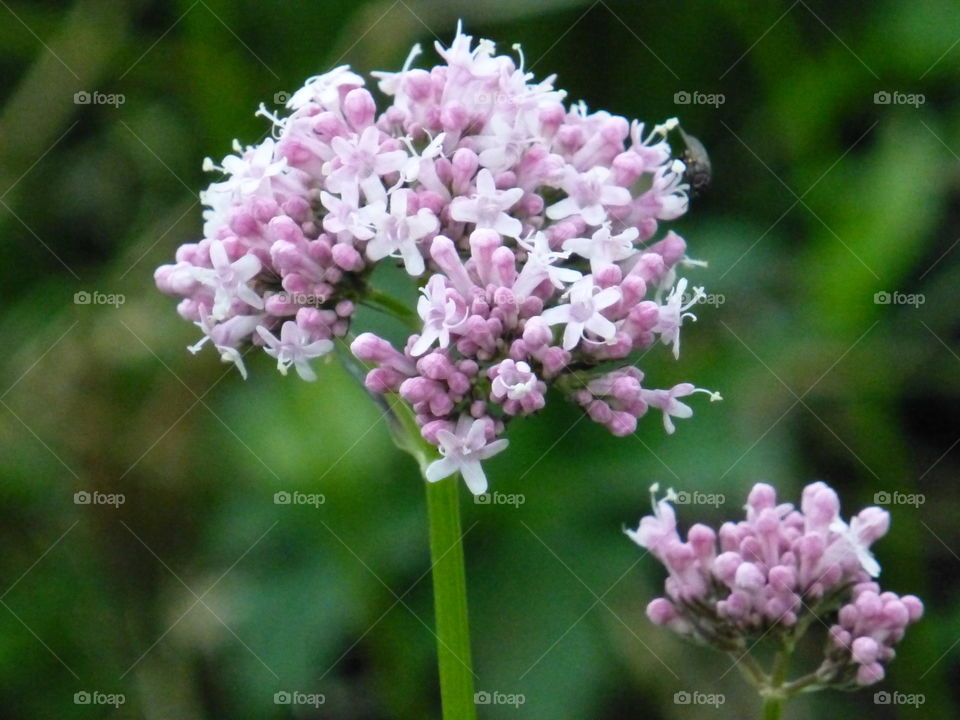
x=773, y=708
x=449, y=573
x=775, y=697
x=450, y=600
x=446, y=553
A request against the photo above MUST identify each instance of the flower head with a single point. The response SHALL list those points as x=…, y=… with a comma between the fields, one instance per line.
x=532, y=221
x=776, y=574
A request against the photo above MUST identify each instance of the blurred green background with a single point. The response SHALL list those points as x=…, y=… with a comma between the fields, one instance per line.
x=201, y=598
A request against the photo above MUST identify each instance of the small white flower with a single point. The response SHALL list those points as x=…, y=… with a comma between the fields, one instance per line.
x=412, y=168
x=225, y=336
x=514, y=381
x=398, y=233
x=478, y=62
x=249, y=172
x=540, y=266
x=672, y=314
x=294, y=347
x=229, y=280
x=588, y=194
x=666, y=401
x=325, y=89
x=344, y=217
x=504, y=145
x=362, y=163
x=583, y=313
x=603, y=248
x=488, y=207
x=440, y=313
x=462, y=452
x=860, y=534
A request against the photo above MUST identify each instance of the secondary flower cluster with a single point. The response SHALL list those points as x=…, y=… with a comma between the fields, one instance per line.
x=531, y=225
x=775, y=572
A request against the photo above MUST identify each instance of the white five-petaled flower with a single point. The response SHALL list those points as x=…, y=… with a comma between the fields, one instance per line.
x=250, y=170
x=666, y=401
x=249, y=173
x=412, y=167
x=673, y=312
x=345, y=217
x=541, y=259
x=864, y=528
x=462, y=452
x=502, y=148
x=488, y=207
x=604, y=248
x=361, y=165
x=294, y=347
x=669, y=191
x=656, y=531
x=539, y=266
x=588, y=194
x=398, y=233
x=583, y=313
x=514, y=381
x=440, y=314
x=325, y=89
x=225, y=336
x=478, y=62
x=229, y=280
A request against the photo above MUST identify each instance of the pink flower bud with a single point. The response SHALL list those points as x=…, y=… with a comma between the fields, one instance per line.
x=359, y=108
x=661, y=611
x=749, y=577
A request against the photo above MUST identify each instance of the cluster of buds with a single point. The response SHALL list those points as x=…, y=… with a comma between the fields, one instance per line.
x=530, y=225
x=777, y=573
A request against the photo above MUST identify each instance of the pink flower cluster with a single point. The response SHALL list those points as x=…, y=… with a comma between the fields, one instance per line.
x=530, y=223
x=868, y=628
x=777, y=570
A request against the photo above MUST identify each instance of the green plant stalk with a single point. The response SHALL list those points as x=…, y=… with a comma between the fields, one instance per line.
x=446, y=554
x=450, y=600
x=448, y=570
x=773, y=708
x=775, y=697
